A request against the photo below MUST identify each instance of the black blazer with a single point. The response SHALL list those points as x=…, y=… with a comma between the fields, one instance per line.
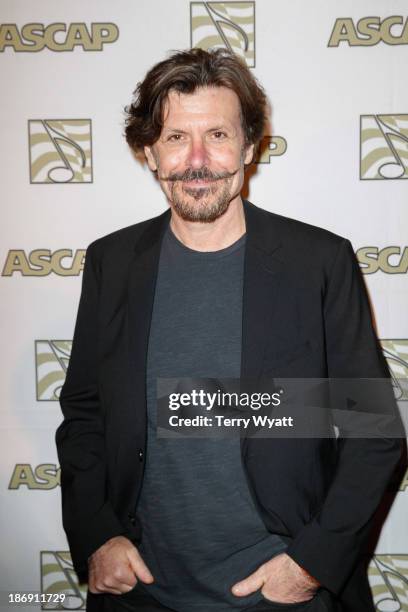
x=305, y=313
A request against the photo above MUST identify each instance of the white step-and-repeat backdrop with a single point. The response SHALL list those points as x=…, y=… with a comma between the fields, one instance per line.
x=337, y=157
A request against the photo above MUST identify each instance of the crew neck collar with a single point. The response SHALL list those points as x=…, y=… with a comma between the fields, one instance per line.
x=205, y=254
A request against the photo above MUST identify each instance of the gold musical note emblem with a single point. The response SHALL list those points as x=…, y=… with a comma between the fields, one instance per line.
x=389, y=582
x=51, y=360
x=60, y=151
x=58, y=576
x=396, y=354
x=384, y=147
x=224, y=24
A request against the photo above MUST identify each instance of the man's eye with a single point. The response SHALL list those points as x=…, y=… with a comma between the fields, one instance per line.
x=219, y=135
x=174, y=137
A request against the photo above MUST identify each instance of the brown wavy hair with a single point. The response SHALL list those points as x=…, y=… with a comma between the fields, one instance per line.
x=185, y=71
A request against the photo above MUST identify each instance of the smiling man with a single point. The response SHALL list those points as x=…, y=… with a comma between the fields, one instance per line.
x=201, y=153
x=214, y=287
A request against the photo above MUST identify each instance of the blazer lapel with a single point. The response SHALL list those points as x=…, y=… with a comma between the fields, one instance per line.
x=141, y=287
x=263, y=267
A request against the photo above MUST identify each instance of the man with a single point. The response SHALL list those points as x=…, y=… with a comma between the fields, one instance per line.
x=214, y=287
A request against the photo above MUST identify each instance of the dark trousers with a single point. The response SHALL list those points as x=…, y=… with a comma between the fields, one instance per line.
x=143, y=602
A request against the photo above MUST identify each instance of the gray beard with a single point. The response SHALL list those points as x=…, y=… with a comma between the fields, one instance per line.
x=206, y=212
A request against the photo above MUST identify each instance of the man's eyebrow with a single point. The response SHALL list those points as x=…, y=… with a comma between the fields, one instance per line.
x=219, y=127
x=179, y=131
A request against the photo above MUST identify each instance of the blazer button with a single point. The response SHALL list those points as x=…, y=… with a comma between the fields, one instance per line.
x=140, y=454
x=132, y=518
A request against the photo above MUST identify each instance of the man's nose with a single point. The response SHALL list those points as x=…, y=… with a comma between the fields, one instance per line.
x=198, y=153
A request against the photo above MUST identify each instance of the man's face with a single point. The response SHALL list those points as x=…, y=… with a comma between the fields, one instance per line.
x=200, y=154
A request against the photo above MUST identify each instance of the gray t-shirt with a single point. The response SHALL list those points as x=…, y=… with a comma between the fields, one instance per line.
x=201, y=530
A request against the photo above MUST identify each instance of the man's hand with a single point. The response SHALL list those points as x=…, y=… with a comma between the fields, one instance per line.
x=281, y=579
x=116, y=566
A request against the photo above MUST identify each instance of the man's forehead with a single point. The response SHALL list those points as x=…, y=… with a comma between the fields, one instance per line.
x=204, y=100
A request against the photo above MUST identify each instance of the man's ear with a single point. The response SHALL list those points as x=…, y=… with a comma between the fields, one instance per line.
x=249, y=154
x=151, y=160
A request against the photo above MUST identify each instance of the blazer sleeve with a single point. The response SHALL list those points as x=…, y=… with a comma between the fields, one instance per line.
x=330, y=545
x=87, y=515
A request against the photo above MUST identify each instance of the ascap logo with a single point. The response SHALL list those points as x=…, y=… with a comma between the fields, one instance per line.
x=60, y=150
x=58, y=576
x=51, y=363
x=271, y=146
x=370, y=31
x=44, y=476
x=224, y=24
x=383, y=147
x=388, y=577
x=57, y=36
x=43, y=262
x=396, y=354
x=391, y=259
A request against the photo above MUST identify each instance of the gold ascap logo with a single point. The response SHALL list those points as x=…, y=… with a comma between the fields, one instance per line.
x=58, y=576
x=271, y=146
x=370, y=31
x=390, y=259
x=384, y=147
x=45, y=476
x=60, y=150
x=388, y=577
x=42, y=262
x=51, y=364
x=224, y=24
x=35, y=37
x=396, y=353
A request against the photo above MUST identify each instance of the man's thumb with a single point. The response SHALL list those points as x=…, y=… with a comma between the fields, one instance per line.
x=251, y=583
x=139, y=567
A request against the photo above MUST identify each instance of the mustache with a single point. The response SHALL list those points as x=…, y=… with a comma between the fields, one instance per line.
x=202, y=174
